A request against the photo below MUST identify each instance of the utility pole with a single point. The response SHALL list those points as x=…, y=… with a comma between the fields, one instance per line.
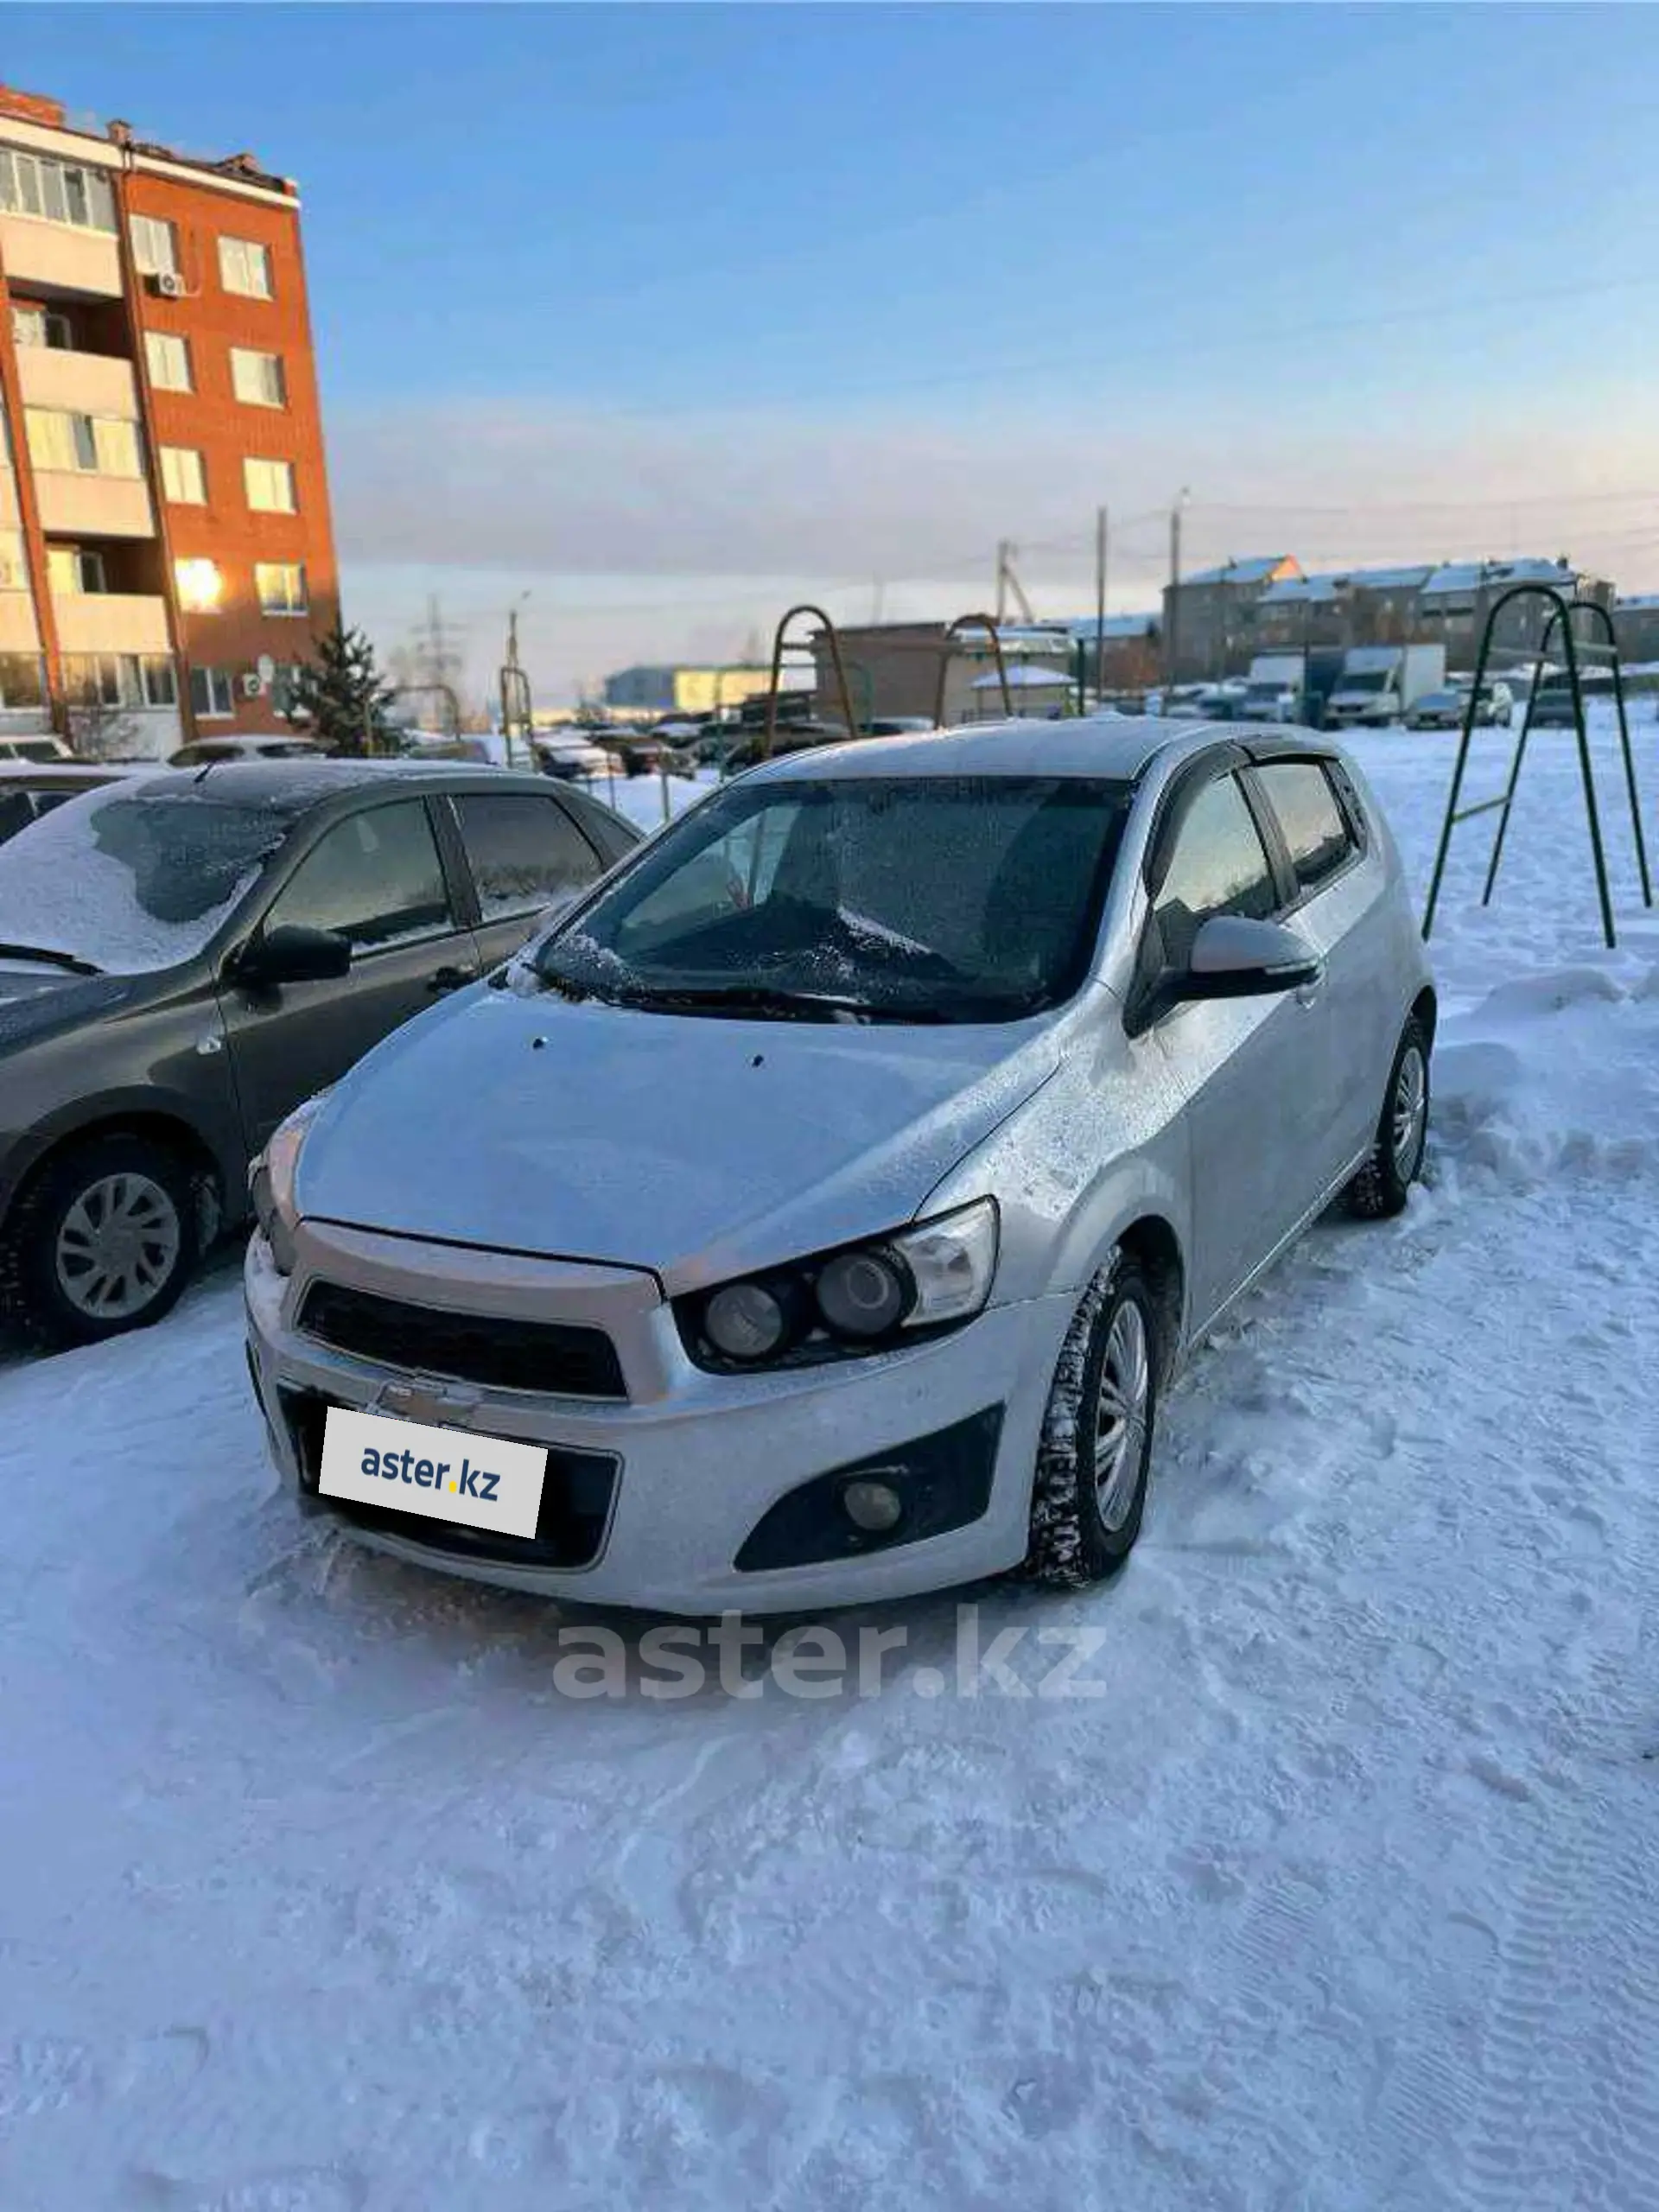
x=1100, y=604
x=1171, y=626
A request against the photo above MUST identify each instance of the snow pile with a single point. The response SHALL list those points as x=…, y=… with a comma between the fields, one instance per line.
x=1336, y=1890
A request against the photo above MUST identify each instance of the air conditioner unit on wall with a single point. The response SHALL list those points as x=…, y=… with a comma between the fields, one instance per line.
x=252, y=684
x=168, y=284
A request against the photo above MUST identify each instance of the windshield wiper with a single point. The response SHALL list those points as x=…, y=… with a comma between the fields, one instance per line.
x=73, y=962
x=767, y=999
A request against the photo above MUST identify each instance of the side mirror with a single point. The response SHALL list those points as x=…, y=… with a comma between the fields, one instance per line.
x=1234, y=958
x=289, y=954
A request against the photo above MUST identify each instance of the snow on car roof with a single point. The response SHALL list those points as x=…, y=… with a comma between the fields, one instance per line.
x=1116, y=746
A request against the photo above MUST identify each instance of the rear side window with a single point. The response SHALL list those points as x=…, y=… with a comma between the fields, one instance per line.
x=1315, y=830
x=374, y=879
x=1219, y=866
x=525, y=852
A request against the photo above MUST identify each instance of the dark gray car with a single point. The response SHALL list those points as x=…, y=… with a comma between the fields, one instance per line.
x=183, y=957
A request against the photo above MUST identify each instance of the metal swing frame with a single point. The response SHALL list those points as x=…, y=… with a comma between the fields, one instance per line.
x=953, y=634
x=1561, y=618
x=770, y=735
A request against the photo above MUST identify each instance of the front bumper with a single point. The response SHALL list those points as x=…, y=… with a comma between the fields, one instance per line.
x=699, y=1458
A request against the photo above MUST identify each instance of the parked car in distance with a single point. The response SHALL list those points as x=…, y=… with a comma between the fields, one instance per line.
x=1018, y=1053
x=1552, y=707
x=573, y=759
x=36, y=749
x=27, y=792
x=203, y=752
x=1446, y=709
x=184, y=956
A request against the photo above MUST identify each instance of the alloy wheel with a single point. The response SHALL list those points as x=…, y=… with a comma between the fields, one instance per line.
x=117, y=1247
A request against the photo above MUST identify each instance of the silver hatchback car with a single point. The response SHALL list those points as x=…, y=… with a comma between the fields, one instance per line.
x=816, y=1212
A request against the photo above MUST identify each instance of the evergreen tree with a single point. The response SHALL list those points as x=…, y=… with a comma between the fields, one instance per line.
x=339, y=696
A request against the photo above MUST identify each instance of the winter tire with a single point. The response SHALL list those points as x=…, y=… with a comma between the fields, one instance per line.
x=1091, y=1487
x=104, y=1240
x=1382, y=1186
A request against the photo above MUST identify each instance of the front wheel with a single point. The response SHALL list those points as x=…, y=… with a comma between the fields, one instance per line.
x=104, y=1240
x=1091, y=1487
x=1383, y=1183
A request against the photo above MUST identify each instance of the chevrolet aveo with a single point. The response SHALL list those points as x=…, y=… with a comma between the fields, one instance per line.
x=816, y=1212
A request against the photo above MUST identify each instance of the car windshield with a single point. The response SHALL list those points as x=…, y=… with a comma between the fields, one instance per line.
x=880, y=898
x=1368, y=679
x=129, y=880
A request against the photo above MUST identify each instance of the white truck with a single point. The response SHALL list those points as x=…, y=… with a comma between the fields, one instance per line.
x=1383, y=683
x=1273, y=689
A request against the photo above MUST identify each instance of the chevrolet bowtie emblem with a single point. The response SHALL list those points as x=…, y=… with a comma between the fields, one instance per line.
x=430, y=1403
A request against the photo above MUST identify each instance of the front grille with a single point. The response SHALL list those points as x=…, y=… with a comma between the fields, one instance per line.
x=576, y=1496
x=555, y=1356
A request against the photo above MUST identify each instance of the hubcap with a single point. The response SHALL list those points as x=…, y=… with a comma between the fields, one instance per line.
x=117, y=1247
x=1409, y=1113
x=1120, y=1415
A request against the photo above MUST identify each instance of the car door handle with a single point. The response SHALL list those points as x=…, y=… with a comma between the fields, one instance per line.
x=450, y=979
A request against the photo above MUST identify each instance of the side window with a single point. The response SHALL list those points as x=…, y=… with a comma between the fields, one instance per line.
x=1219, y=866
x=1316, y=834
x=375, y=879
x=525, y=852
x=15, y=813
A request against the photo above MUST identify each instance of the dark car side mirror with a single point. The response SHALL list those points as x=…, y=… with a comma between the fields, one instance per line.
x=1234, y=958
x=291, y=954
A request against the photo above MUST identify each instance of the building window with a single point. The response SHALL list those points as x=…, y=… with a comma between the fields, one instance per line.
x=158, y=680
x=37, y=326
x=282, y=687
x=120, y=680
x=212, y=696
x=21, y=680
x=75, y=569
x=270, y=486
x=154, y=246
x=61, y=192
x=199, y=585
x=244, y=268
x=13, y=561
x=168, y=357
x=183, y=479
x=258, y=378
x=281, y=586
x=95, y=444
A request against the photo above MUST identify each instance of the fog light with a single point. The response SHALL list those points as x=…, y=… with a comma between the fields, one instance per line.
x=874, y=1507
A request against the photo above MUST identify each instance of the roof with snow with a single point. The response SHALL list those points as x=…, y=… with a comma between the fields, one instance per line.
x=1260, y=569
x=1300, y=591
x=1453, y=577
x=1026, y=678
x=1637, y=602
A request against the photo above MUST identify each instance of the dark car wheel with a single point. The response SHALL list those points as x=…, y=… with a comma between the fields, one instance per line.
x=1091, y=1487
x=1383, y=1183
x=104, y=1240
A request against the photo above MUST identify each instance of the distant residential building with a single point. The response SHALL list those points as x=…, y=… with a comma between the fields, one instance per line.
x=1354, y=607
x=893, y=668
x=1454, y=604
x=1131, y=661
x=676, y=689
x=1210, y=617
x=166, y=554
x=1636, y=625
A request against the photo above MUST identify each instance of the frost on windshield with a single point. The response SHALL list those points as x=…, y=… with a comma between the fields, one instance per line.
x=132, y=880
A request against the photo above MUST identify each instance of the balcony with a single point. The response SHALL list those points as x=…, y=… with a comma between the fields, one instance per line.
x=19, y=632
x=76, y=503
x=59, y=257
x=78, y=384
x=110, y=622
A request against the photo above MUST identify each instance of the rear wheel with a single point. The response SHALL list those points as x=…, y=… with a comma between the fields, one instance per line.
x=104, y=1240
x=1091, y=1487
x=1383, y=1183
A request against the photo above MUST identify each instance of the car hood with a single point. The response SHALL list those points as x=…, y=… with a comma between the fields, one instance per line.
x=38, y=1001
x=695, y=1147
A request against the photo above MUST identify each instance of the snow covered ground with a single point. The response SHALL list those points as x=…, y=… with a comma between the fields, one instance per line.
x=317, y=1896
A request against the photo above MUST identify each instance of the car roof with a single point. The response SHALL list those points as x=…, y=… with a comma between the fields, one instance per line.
x=1115, y=747
x=44, y=774
x=295, y=786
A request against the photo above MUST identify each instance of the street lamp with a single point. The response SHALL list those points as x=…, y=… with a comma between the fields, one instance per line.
x=1173, y=626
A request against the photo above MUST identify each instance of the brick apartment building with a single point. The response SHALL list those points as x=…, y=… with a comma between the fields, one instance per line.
x=165, y=556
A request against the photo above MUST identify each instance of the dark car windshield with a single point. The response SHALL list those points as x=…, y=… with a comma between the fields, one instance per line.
x=132, y=878
x=1368, y=679
x=885, y=898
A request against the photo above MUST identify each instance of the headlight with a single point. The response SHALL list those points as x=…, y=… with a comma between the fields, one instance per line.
x=270, y=1183
x=866, y=1298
